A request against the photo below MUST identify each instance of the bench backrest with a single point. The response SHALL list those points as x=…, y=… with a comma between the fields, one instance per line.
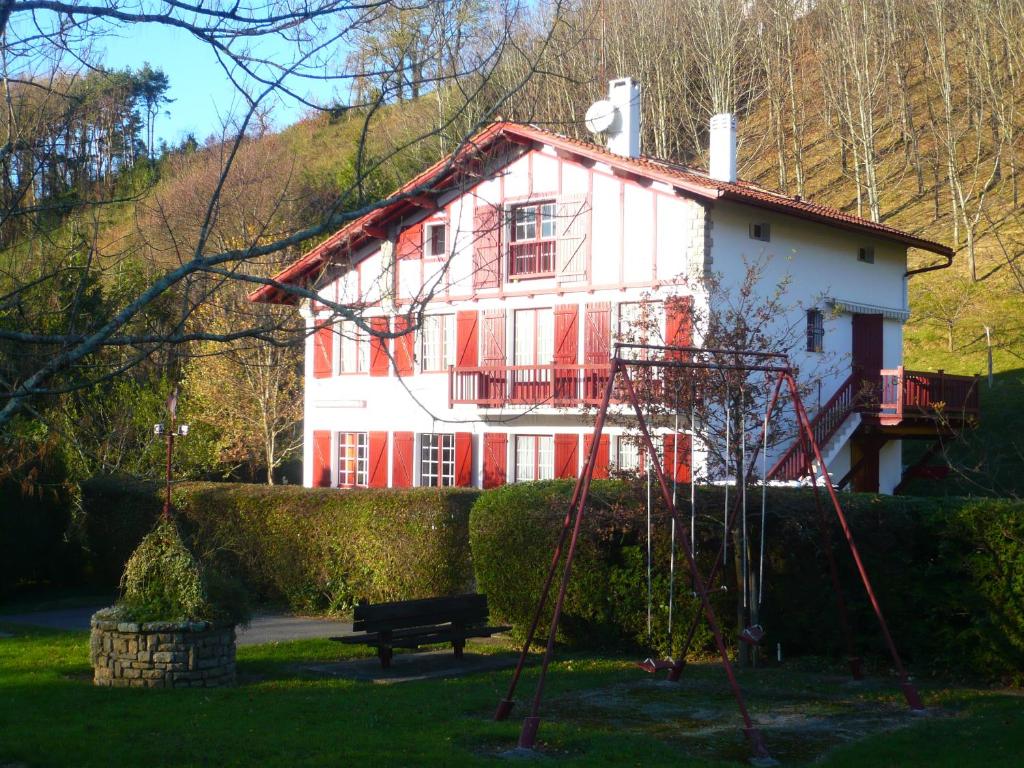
x=468, y=610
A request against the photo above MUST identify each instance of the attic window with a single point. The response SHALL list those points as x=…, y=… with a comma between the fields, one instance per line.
x=435, y=241
x=761, y=231
x=532, y=246
x=866, y=254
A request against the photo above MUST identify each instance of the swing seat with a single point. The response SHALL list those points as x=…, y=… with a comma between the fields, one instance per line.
x=752, y=635
x=652, y=666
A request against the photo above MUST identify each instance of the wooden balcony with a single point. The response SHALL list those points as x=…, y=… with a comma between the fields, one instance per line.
x=559, y=385
x=936, y=396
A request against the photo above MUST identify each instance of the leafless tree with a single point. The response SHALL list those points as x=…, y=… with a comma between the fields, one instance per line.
x=268, y=52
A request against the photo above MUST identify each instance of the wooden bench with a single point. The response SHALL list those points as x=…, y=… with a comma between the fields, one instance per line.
x=412, y=623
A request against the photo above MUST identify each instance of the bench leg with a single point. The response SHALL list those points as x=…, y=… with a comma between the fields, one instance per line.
x=458, y=646
x=384, y=653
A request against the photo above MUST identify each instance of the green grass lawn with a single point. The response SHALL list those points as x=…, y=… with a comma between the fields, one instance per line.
x=598, y=711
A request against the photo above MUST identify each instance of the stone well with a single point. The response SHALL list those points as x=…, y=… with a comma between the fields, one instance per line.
x=192, y=654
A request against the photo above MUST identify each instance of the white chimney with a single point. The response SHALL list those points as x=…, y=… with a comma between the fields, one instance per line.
x=624, y=133
x=722, y=166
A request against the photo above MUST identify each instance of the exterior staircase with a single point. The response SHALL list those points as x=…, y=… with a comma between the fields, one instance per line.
x=833, y=424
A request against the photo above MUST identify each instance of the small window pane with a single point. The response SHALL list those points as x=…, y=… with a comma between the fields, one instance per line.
x=547, y=220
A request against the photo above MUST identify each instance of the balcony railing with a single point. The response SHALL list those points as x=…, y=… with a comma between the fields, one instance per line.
x=558, y=384
x=923, y=393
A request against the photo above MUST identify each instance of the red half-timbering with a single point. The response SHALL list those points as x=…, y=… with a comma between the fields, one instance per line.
x=378, y=460
x=322, y=459
x=401, y=460
x=495, y=459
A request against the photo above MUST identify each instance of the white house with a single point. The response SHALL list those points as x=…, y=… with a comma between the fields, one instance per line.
x=533, y=249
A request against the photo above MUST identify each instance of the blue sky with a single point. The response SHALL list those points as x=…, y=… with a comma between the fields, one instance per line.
x=203, y=95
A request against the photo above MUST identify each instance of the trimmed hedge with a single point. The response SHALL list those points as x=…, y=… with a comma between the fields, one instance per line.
x=316, y=549
x=949, y=573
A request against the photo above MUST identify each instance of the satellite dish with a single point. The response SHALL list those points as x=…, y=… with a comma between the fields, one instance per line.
x=601, y=116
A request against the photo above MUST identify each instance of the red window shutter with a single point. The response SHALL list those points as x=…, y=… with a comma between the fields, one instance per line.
x=379, y=347
x=321, y=459
x=567, y=334
x=323, y=350
x=603, y=454
x=566, y=455
x=467, y=344
x=401, y=460
x=410, y=243
x=597, y=333
x=378, y=459
x=486, y=246
x=494, y=337
x=679, y=321
x=495, y=459
x=680, y=457
x=405, y=347
x=463, y=458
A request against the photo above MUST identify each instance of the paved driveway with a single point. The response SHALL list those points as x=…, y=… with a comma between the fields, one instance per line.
x=266, y=628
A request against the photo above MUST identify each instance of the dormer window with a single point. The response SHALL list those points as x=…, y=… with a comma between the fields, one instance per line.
x=435, y=241
x=866, y=254
x=532, y=247
x=761, y=231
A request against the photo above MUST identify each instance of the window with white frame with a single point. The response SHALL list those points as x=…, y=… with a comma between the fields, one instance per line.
x=437, y=347
x=352, y=459
x=532, y=241
x=534, y=331
x=437, y=459
x=435, y=240
x=627, y=454
x=535, y=458
x=354, y=351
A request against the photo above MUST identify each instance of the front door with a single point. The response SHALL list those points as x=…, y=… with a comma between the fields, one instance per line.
x=867, y=349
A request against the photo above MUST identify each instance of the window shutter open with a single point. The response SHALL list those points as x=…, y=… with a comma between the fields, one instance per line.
x=680, y=457
x=410, y=243
x=603, y=454
x=566, y=455
x=378, y=460
x=494, y=337
x=323, y=350
x=404, y=347
x=379, y=347
x=572, y=247
x=495, y=459
x=467, y=343
x=567, y=334
x=321, y=459
x=679, y=322
x=401, y=460
x=486, y=246
x=463, y=458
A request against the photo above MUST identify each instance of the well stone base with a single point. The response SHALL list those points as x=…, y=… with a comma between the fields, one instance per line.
x=161, y=654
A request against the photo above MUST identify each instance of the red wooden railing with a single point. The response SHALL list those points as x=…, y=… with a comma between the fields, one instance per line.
x=558, y=384
x=900, y=394
x=793, y=463
x=925, y=393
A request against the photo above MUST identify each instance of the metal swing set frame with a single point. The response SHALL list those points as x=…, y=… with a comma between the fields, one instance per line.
x=695, y=358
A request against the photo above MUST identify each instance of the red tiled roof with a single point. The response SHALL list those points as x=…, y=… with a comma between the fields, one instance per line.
x=690, y=182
